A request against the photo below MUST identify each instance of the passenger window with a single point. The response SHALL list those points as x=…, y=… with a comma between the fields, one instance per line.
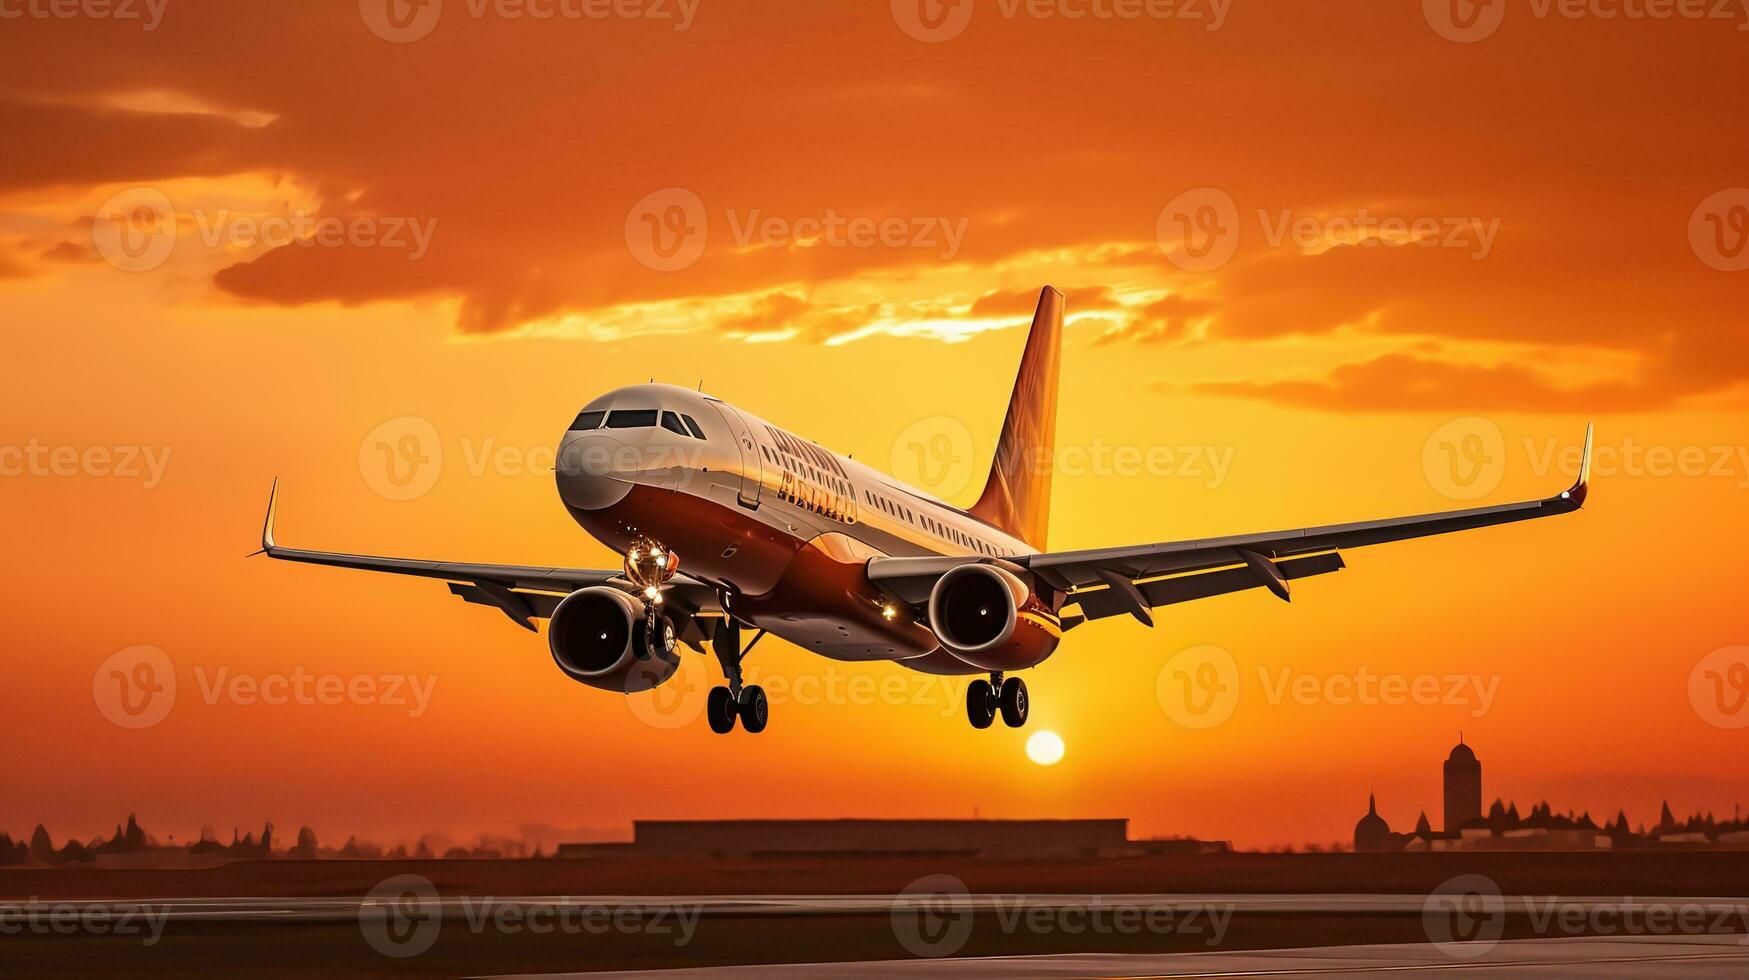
x=638, y=418
x=671, y=422
x=588, y=420
x=697, y=433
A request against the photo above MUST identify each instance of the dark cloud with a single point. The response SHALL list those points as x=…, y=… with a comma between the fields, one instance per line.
x=529, y=141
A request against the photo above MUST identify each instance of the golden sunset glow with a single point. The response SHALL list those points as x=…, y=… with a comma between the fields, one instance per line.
x=391, y=276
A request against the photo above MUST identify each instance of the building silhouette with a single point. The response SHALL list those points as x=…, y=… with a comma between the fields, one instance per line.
x=1372, y=834
x=1463, y=788
x=1503, y=828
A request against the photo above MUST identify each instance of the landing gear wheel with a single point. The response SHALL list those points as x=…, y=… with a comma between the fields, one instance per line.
x=980, y=703
x=753, y=709
x=1014, y=702
x=719, y=710
x=655, y=636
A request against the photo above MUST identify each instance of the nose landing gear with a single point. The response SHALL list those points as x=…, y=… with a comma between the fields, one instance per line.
x=648, y=567
x=986, y=698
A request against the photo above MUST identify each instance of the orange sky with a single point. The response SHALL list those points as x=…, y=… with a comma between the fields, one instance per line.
x=1537, y=228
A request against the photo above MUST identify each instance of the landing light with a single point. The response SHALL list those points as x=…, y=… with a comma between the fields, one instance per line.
x=888, y=612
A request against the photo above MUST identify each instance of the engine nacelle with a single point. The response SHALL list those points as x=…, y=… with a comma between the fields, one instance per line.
x=599, y=636
x=990, y=618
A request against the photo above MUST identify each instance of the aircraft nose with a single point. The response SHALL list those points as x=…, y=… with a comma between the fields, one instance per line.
x=586, y=471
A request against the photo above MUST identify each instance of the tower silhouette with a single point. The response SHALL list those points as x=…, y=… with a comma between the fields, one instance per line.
x=1463, y=787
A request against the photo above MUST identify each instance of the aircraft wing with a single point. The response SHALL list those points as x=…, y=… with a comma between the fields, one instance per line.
x=1109, y=581
x=522, y=592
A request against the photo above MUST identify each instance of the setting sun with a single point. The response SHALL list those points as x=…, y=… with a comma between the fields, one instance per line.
x=1045, y=748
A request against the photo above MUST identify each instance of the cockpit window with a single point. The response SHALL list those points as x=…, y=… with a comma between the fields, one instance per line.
x=671, y=422
x=632, y=418
x=697, y=433
x=588, y=420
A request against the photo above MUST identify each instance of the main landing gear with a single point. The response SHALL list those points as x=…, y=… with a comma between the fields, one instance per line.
x=986, y=698
x=725, y=704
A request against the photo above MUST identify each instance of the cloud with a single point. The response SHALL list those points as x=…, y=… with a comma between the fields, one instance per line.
x=1406, y=382
x=528, y=143
x=1166, y=319
x=773, y=313
x=69, y=251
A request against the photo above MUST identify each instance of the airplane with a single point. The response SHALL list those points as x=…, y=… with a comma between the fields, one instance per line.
x=727, y=522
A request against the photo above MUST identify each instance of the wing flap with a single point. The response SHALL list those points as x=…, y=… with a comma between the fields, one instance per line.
x=1100, y=603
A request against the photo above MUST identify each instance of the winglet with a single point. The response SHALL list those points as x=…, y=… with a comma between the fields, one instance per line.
x=1581, y=487
x=267, y=542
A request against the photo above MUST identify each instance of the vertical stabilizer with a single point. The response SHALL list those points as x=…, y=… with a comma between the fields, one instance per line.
x=1017, y=498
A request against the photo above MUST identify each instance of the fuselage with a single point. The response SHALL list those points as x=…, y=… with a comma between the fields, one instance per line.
x=782, y=525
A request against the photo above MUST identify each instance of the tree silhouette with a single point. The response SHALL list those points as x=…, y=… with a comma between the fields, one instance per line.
x=305, y=849
x=42, y=849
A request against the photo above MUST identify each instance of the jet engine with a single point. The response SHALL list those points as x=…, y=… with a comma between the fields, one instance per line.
x=600, y=636
x=991, y=618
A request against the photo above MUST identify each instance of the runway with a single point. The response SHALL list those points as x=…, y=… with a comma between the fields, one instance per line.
x=407, y=924
x=1693, y=958
x=451, y=906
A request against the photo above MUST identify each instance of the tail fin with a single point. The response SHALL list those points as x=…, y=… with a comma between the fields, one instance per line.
x=1017, y=498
